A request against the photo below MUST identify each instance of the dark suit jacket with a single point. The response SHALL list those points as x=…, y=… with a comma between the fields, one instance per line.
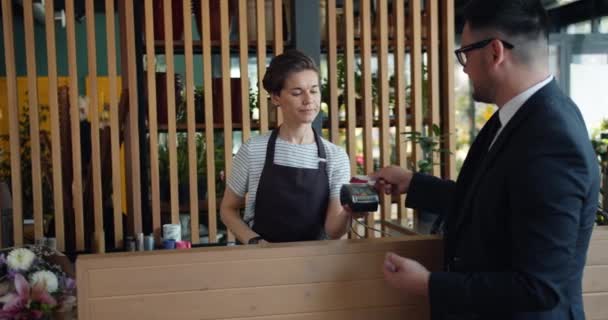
x=518, y=219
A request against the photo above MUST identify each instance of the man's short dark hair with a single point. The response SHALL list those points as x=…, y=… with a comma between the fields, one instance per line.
x=282, y=66
x=517, y=18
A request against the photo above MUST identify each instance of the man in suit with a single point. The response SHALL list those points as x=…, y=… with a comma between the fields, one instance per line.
x=519, y=217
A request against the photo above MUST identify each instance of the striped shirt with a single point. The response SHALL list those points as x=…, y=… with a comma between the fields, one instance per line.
x=249, y=162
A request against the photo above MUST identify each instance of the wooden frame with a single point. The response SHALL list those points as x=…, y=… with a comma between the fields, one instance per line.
x=340, y=279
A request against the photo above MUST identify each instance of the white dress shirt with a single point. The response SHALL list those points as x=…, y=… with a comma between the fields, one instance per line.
x=512, y=106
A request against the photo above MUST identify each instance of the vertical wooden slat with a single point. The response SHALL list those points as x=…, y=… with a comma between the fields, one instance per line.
x=350, y=87
x=433, y=70
x=416, y=79
x=244, y=63
x=55, y=129
x=350, y=84
x=368, y=99
x=385, y=143
x=447, y=86
x=152, y=119
x=171, y=117
x=210, y=145
x=75, y=126
x=332, y=64
x=94, y=114
x=32, y=90
x=277, y=9
x=400, y=95
x=192, y=163
x=261, y=49
x=226, y=96
x=114, y=127
x=13, y=123
x=226, y=85
x=416, y=74
x=133, y=118
x=244, y=75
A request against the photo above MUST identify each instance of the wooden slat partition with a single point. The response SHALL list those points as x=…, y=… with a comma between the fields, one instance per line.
x=311, y=280
x=349, y=82
x=55, y=134
x=226, y=85
x=191, y=122
x=117, y=191
x=384, y=101
x=416, y=74
x=595, y=279
x=432, y=22
x=210, y=145
x=261, y=50
x=77, y=190
x=244, y=63
x=94, y=118
x=171, y=118
x=277, y=18
x=32, y=90
x=374, y=43
x=367, y=97
x=332, y=65
x=152, y=119
x=416, y=80
x=447, y=86
x=351, y=116
x=135, y=176
x=13, y=115
x=400, y=94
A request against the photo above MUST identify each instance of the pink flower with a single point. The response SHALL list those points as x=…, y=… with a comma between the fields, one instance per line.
x=18, y=305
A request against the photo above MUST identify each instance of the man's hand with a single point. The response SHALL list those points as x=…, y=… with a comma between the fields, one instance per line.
x=407, y=275
x=392, y=180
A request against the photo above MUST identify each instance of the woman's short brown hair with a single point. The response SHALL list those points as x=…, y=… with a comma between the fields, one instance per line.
x=282, y=66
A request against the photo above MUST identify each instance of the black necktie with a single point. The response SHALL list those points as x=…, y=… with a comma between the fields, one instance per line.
x=493, y=126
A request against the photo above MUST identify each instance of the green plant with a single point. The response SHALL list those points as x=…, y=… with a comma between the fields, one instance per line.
x=430, y=143
x=25, y=153
x=600, y=145
x=183, y=172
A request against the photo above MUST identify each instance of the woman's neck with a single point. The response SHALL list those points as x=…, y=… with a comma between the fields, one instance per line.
x=300, y=134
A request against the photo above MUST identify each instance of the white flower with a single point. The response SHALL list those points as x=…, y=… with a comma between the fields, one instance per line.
x=46, y=278
x=20, y=259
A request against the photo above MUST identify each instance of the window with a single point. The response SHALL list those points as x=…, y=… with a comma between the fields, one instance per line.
x=603, y=25
x=579, y=28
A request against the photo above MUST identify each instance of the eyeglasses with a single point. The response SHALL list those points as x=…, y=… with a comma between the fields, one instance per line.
x=461, y=53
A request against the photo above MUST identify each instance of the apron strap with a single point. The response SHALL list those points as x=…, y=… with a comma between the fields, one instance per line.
x=272, y=142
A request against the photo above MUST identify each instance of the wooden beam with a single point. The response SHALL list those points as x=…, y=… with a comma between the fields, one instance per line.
x=191, y=118
x=99, y=237
x=77, y=189
x=55, y=128
x=34, y=119
x=13, y=123
x=152, y=119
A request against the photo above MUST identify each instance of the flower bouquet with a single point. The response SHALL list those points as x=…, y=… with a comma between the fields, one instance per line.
x=35, y=283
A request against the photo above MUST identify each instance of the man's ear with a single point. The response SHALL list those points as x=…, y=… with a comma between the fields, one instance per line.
x=498, y=51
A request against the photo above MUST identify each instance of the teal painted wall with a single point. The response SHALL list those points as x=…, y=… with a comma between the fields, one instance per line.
x=61, y=48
